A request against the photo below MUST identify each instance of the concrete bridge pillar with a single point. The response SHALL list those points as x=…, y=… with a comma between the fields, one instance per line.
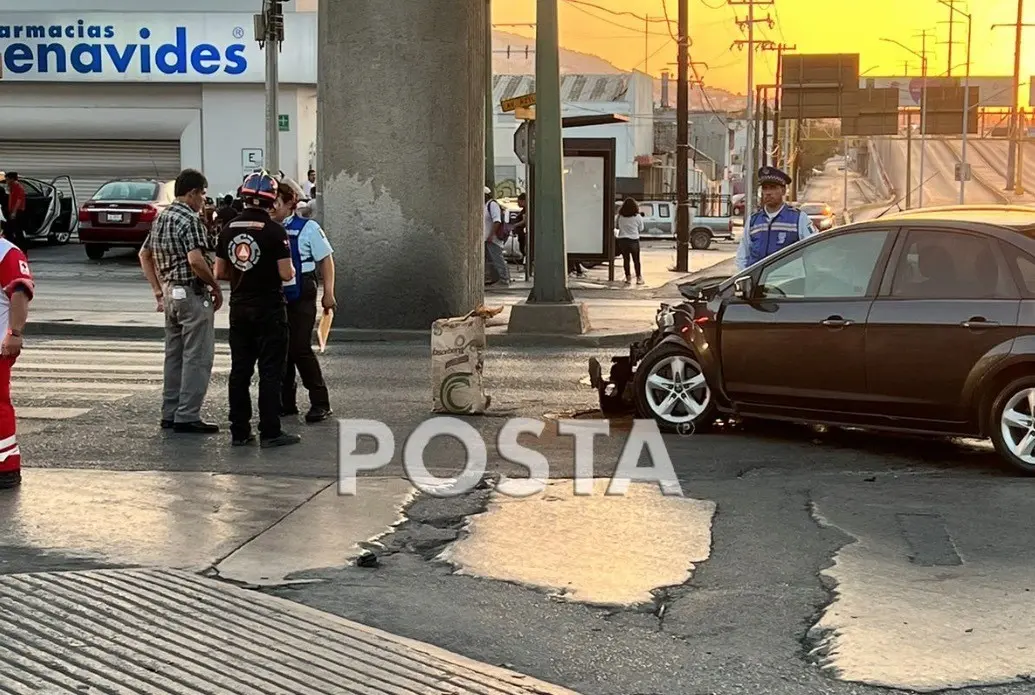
x=401, y=119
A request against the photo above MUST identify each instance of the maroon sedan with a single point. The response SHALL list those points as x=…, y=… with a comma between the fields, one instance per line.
x=120, y=214
x=921, y=322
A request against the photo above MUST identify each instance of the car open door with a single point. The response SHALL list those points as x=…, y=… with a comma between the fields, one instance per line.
x=67, y=221
x=42, y=203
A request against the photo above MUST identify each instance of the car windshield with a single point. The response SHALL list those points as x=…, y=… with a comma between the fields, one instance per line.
x=128, y=190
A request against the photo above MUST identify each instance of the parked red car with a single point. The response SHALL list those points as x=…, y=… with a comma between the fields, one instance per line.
x=120, y=214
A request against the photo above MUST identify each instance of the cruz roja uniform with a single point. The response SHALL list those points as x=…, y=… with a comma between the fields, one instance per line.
x=309, y=246
x=15, y=276
x=250, y=248
x=768, y=231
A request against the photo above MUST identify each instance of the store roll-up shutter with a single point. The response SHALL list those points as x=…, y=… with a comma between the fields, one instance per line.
x=90, y=163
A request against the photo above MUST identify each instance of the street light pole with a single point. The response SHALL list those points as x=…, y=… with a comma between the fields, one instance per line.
x=923, y=115
x=923, y=118
x=966, y=119
x=550, y=282
x=272, y=34
x=683, y=141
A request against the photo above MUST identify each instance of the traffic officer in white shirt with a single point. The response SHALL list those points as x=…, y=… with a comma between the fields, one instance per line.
x=776, y=225
x=310, y=250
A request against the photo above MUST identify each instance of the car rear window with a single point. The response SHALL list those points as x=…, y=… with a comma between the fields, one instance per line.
x=127, y=190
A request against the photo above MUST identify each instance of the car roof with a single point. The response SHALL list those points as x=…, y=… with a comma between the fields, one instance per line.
x=1018, y=217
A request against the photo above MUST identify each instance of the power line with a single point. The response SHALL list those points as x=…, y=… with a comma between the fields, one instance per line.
x=577, y=6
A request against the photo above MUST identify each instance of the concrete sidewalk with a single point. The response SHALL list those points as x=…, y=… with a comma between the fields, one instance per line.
x=122, y=308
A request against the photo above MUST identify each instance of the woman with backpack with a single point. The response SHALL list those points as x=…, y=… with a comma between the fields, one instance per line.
x=630, y=225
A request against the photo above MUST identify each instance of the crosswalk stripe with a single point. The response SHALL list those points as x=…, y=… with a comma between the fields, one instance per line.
x=60, y=379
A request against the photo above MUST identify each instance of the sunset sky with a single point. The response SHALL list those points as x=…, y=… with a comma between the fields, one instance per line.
x=814, y=26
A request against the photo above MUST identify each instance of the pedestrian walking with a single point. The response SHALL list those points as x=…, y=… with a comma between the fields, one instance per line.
x=18, y=289
x=776, y=225
x=310, y=252
x=630, y=227
x=177, y=258
x=309, y=188
x=495, y=237
x=254, y=254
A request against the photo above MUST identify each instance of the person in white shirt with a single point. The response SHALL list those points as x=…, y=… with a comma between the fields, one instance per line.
x=310, y=184
x=630, y=226
x=495, y=262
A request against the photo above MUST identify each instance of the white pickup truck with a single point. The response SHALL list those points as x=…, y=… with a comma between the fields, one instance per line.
x=659, y=218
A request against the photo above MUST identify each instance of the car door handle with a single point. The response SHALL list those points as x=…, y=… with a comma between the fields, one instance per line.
x=836, y=322
x=977, y=322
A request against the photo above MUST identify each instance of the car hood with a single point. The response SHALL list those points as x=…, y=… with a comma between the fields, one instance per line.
x=703, y=288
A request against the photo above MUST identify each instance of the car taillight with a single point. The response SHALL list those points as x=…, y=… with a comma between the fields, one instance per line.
x=149, y=214
x=84, y=214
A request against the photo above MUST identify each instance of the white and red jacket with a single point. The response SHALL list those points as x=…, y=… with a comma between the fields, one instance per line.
x=14, y=275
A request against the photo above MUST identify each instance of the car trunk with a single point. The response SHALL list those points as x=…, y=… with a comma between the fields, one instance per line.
x=117, y=214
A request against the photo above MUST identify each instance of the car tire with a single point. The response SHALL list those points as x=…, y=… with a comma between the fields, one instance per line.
x=651, y=397
x=1009, y=433
x=59, y=238
x=700, y=239
x=94, y=252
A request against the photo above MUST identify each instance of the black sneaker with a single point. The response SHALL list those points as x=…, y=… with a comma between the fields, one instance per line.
x=198, y=427
x=283, y=439
x=167, y=424
x=318, y=414
x=10, y=480
x=289, y=411
x=242, y=441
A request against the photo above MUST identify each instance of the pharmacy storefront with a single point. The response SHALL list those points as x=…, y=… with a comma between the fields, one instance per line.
x=105, y=95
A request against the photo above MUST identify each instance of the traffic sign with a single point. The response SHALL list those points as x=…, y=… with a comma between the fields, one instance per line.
x=251, y=159
x=516, y=103
x=962, y=171
x=524, y=142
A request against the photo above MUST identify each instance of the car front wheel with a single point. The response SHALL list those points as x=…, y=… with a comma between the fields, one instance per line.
x=670, y=387
x=1013, y=425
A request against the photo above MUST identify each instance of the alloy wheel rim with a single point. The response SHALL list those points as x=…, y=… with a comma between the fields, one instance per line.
x=1017, y=424
x=676, y=390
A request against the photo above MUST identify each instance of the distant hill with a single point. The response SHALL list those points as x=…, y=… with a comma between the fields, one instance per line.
x=518, y=62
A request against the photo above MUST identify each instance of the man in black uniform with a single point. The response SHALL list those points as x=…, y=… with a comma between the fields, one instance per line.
x=254, y=255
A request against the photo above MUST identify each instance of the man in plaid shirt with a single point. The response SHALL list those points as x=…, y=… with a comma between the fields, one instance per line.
x=177, y=258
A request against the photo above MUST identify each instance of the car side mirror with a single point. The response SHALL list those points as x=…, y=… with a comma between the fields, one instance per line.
x=742, y=287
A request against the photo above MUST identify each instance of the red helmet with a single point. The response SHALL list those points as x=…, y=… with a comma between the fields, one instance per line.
x=261, y=186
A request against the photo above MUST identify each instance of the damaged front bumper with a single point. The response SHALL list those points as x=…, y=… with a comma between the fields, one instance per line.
x=615, y=389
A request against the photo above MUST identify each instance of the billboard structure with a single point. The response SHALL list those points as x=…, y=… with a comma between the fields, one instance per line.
x=994, y=92
x=945, y=111
x=819, y=85
x=878, y=114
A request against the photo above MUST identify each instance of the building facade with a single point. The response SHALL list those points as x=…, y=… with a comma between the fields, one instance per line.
x=628, y=95
x=102, y=89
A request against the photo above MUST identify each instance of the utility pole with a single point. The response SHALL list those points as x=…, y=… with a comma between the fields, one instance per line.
x=683, y=141
x=964, y=167
x=923, y=116
x=780, y=50
x=1011, y=157
x=269, y=32
x=490, y=104
x=749, y=156
x=550, y=284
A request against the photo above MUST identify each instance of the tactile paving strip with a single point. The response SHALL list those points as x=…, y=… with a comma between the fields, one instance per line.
x=166, y=631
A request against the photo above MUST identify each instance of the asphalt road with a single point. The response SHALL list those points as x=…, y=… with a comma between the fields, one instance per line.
x=833, y=559
x=740, y=625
